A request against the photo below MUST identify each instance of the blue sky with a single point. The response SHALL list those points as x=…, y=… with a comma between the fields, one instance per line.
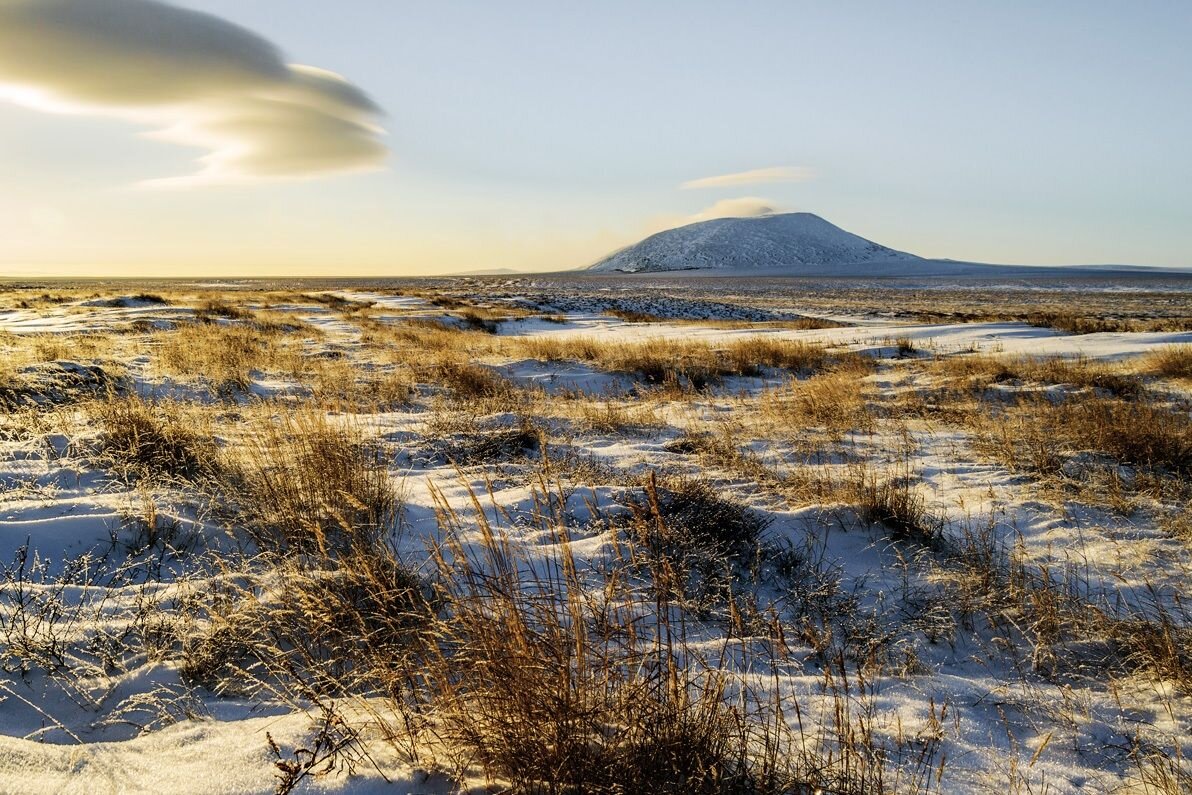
x=541, y=135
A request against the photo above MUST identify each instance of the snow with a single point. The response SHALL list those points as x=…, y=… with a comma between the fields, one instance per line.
x=199, y=757
x=556, y=377
x=54, y=497
x=78, y=318
x=1011, y=338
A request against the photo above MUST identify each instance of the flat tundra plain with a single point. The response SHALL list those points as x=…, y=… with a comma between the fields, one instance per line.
x=596, y=535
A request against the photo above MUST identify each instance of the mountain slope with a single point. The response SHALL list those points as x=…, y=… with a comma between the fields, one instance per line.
x=790, y=241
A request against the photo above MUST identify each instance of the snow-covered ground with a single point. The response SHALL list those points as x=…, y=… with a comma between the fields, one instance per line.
x=136, y=724
x=1018, y=339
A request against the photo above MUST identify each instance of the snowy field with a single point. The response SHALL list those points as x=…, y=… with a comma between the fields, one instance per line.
x=531, y=535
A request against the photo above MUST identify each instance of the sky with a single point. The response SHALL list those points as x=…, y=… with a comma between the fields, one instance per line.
x=394, y=138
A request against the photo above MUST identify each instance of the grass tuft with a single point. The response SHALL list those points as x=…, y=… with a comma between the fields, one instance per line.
x=1172, y=361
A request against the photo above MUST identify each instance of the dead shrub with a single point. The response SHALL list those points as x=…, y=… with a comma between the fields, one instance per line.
x=468, y=381
x=144, y=440
x=893, y=502
x=213, y=308
x=489, y=445
x=697, y=542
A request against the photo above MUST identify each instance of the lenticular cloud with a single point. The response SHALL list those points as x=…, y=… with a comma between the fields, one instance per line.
x=196, y=79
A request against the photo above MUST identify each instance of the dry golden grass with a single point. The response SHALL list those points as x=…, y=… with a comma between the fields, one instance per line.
x=674, y=364
x=748, y=356
x=530, y=675
x=975, y=373
x=1060, y=630
x=1172, y=361
x=409, y=341
x=1087, y=323
x=724, y=448
x=598, y=415
x=535, y=673
x=466, y=380
x=554, y=685
x=226, y=356
x=893, y=501
x=802, y=323
x=686, y=363
x=35, y=299
x=44, y=370
x=157, y=442
x=1159, y=773
x=18, y=351
x=302, y=483
x=341, y=385
x=836, y=403
x=1041, y=435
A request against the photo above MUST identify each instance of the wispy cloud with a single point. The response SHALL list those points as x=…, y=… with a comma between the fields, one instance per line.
x=754, y=177
x=196, y=79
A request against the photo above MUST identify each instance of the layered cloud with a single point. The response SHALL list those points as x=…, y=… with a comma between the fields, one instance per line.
x=754, y=177
x=741, y=207
x=196, y=79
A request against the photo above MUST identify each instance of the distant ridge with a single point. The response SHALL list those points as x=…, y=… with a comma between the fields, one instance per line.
x=797, y=243
x=487, y=272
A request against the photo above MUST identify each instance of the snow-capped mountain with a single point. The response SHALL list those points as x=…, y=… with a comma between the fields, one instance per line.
x=788, y=242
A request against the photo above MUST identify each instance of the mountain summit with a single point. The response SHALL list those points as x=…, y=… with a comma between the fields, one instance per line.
x=788, y=243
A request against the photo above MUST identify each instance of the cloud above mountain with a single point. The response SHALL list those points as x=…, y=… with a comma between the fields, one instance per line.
x=195, y=79
x=754, y=177
x=743, y=207
x=740, y=207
